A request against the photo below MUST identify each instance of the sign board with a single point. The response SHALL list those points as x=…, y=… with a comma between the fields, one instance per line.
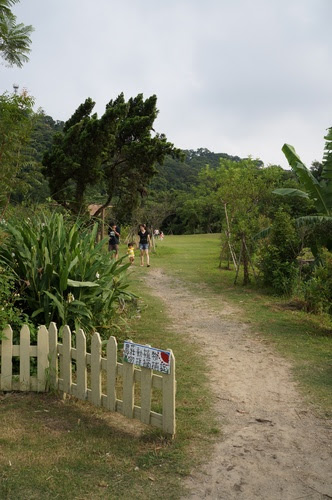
x=148, y=357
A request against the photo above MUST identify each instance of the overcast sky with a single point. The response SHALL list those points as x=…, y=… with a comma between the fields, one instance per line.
x=235, y=76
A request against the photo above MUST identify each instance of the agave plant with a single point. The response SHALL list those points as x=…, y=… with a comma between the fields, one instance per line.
x=62, y=274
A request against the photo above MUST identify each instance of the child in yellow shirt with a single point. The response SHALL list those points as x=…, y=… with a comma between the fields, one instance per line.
x=131, y=253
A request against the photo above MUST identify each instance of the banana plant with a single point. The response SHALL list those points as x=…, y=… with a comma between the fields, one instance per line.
x=320, y=192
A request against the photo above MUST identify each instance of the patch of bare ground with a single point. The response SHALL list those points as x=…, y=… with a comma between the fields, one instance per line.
x=272, y=445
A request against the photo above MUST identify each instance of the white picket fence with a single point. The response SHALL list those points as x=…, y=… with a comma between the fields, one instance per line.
x=87, y=376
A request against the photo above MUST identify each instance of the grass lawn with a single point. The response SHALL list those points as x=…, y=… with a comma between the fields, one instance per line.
x=52, y=448
x=305, y=339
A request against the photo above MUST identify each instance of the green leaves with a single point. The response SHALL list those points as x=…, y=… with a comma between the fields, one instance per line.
x=78, y=284
x=119, y=150
x=58, y=305
x=319, y=192
x=16, y=125
x=290, y=192
x=62, y=274
x=14, y=38
x=327, y=158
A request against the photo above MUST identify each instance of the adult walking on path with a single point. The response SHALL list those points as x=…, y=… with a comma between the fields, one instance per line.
x=272, y=445
x=114, y=235
x=144, y=243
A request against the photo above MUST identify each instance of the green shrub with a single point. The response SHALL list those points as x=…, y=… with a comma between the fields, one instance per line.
x=278, y=255
x=10, y=314
x=318, y=289
x=62, y=274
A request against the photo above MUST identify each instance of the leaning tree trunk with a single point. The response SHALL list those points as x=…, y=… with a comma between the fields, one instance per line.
x=245, y=261
x=228, y=236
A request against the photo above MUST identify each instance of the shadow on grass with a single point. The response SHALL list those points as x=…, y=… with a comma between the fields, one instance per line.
x=72, y=449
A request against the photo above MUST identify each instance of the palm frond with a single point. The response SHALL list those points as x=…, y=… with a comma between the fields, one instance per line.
x=5, y=6
x=14, y=38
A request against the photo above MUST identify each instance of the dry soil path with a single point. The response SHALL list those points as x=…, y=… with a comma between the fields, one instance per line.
x=272, y=447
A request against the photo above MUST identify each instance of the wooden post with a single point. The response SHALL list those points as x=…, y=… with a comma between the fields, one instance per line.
x=111, y=352
x=81, y=369
x=53, y=355
x=7, y=359
x=169, y=389
x=146, y=389
x=96, y=369
x=25, y=358
x=128, y=389
x=42, y=358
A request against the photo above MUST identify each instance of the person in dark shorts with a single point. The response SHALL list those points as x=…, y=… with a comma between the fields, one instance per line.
x=113, y=244
x=144, y=243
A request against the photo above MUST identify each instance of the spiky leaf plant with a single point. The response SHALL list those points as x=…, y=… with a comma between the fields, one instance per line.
x=62, y=274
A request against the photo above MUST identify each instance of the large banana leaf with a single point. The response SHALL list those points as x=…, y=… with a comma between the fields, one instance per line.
x=318, y=192
x=311, y=220
x=290, y=192
x=327, y=158
x=262, y=234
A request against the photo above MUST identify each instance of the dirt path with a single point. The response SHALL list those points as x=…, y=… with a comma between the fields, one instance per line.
x=272, y=447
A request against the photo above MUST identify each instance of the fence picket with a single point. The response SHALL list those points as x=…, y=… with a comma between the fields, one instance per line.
x=81, y=369
x=6, y=359
x=66, y=359
x=111, y=353
x=169, y=387
x=42, y=358
x=95, y=369
x=146, y=393
x=53, y=354
x=128, y=389
x=25, y=358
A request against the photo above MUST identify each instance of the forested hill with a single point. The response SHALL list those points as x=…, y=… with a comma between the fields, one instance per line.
x=180, y=175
